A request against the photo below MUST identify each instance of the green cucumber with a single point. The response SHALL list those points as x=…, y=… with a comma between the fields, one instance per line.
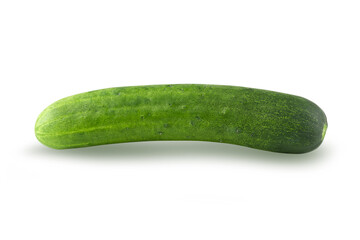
x=249, y=117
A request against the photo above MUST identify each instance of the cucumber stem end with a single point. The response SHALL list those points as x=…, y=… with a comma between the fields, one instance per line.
x=324, y=131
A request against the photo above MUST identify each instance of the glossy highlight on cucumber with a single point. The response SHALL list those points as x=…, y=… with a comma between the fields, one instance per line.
x=255, y=118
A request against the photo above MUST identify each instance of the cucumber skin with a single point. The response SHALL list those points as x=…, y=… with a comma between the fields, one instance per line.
x=249, y=117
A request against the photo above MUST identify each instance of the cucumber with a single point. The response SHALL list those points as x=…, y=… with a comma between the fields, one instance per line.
x=255, y=118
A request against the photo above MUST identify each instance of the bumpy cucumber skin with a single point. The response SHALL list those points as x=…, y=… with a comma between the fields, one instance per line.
x=249, y=117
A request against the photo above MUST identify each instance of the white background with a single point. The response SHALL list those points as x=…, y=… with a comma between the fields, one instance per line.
x=178, y=190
